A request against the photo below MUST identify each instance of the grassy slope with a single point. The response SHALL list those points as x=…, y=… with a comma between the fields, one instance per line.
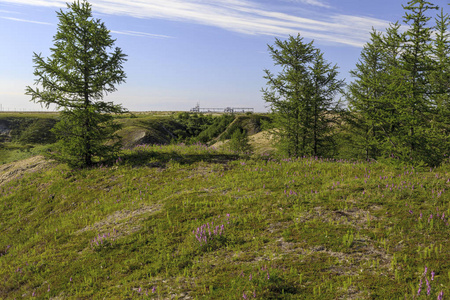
x=148, y=129
x=291, y=229
x=10, y=152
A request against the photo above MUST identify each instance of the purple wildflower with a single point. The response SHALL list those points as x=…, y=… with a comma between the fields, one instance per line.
x=432, y=275
x=420, y=287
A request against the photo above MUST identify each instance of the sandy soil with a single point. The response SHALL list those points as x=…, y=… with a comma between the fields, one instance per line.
x=17, y=169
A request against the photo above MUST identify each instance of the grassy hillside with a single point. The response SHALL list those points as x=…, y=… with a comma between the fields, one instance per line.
x=148, y=129
x=189, y=222
x=23, y=135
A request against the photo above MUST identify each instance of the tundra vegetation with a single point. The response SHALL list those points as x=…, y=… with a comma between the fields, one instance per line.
x=177, y=216
x=194, y=222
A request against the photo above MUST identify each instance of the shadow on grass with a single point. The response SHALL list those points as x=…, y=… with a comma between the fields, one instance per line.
x=160, y=159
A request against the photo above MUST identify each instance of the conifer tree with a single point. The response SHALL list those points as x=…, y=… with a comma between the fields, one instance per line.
x=393, y=88
x=376, y=94
x=301, y=96
x=286, y=93
x=240, y=142
x=440, y=76
x=365, y=97
x=438, y=134
x=324, y=111
x=75, y=78
x=418, y=64
x=412, y=88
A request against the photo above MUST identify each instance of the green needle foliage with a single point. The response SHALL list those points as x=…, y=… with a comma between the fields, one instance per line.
x=375, y=95
x=301, y=97
x=365, y=97
x=79, y=72
x=239, y=141
x=418, y=64
x=400, y=94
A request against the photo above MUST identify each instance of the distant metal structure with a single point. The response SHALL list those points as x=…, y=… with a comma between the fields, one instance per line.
x=198, y=109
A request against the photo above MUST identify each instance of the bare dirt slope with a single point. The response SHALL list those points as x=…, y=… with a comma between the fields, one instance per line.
x=261, y=142
x=17, y=169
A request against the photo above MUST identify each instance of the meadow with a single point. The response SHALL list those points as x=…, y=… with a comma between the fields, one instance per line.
x=194, y=222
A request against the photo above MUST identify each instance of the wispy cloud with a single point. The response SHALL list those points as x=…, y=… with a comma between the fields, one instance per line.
x=243, y=16
x=141, y=34
x=8, y=12
x=318, y=3
x=26, y=21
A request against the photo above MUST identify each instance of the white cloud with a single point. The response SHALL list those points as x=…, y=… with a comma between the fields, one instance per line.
x=318, y=3
x=141, y=34
x=8, y=12
x=243, y=16
x=26, y=21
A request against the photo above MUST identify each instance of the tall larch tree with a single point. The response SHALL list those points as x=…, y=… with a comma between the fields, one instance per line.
x=301, y=96
x=418, y=65
x=410, y=119
x=83, y=67
x=324, y=88
x=440, y=84
x=286, y=93
x=365, y=97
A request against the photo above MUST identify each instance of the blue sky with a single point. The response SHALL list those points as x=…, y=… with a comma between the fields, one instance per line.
x=181, y=52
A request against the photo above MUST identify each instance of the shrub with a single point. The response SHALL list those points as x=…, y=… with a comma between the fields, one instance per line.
x=239, y=141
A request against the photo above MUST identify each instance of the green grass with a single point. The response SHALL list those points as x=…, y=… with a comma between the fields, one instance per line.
x=12, y=152
x=292, y=229
x=39, y=115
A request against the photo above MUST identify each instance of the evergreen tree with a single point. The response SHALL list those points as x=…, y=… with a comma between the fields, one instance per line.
x=394, y=88
x=75, y=78
x=286, y=93
x=324, y=87
x=365, y=97
x=300, y=96
x=239, y=141
x=418, y=64
x=402, y=100
x=440, y=76
x=438, y=134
